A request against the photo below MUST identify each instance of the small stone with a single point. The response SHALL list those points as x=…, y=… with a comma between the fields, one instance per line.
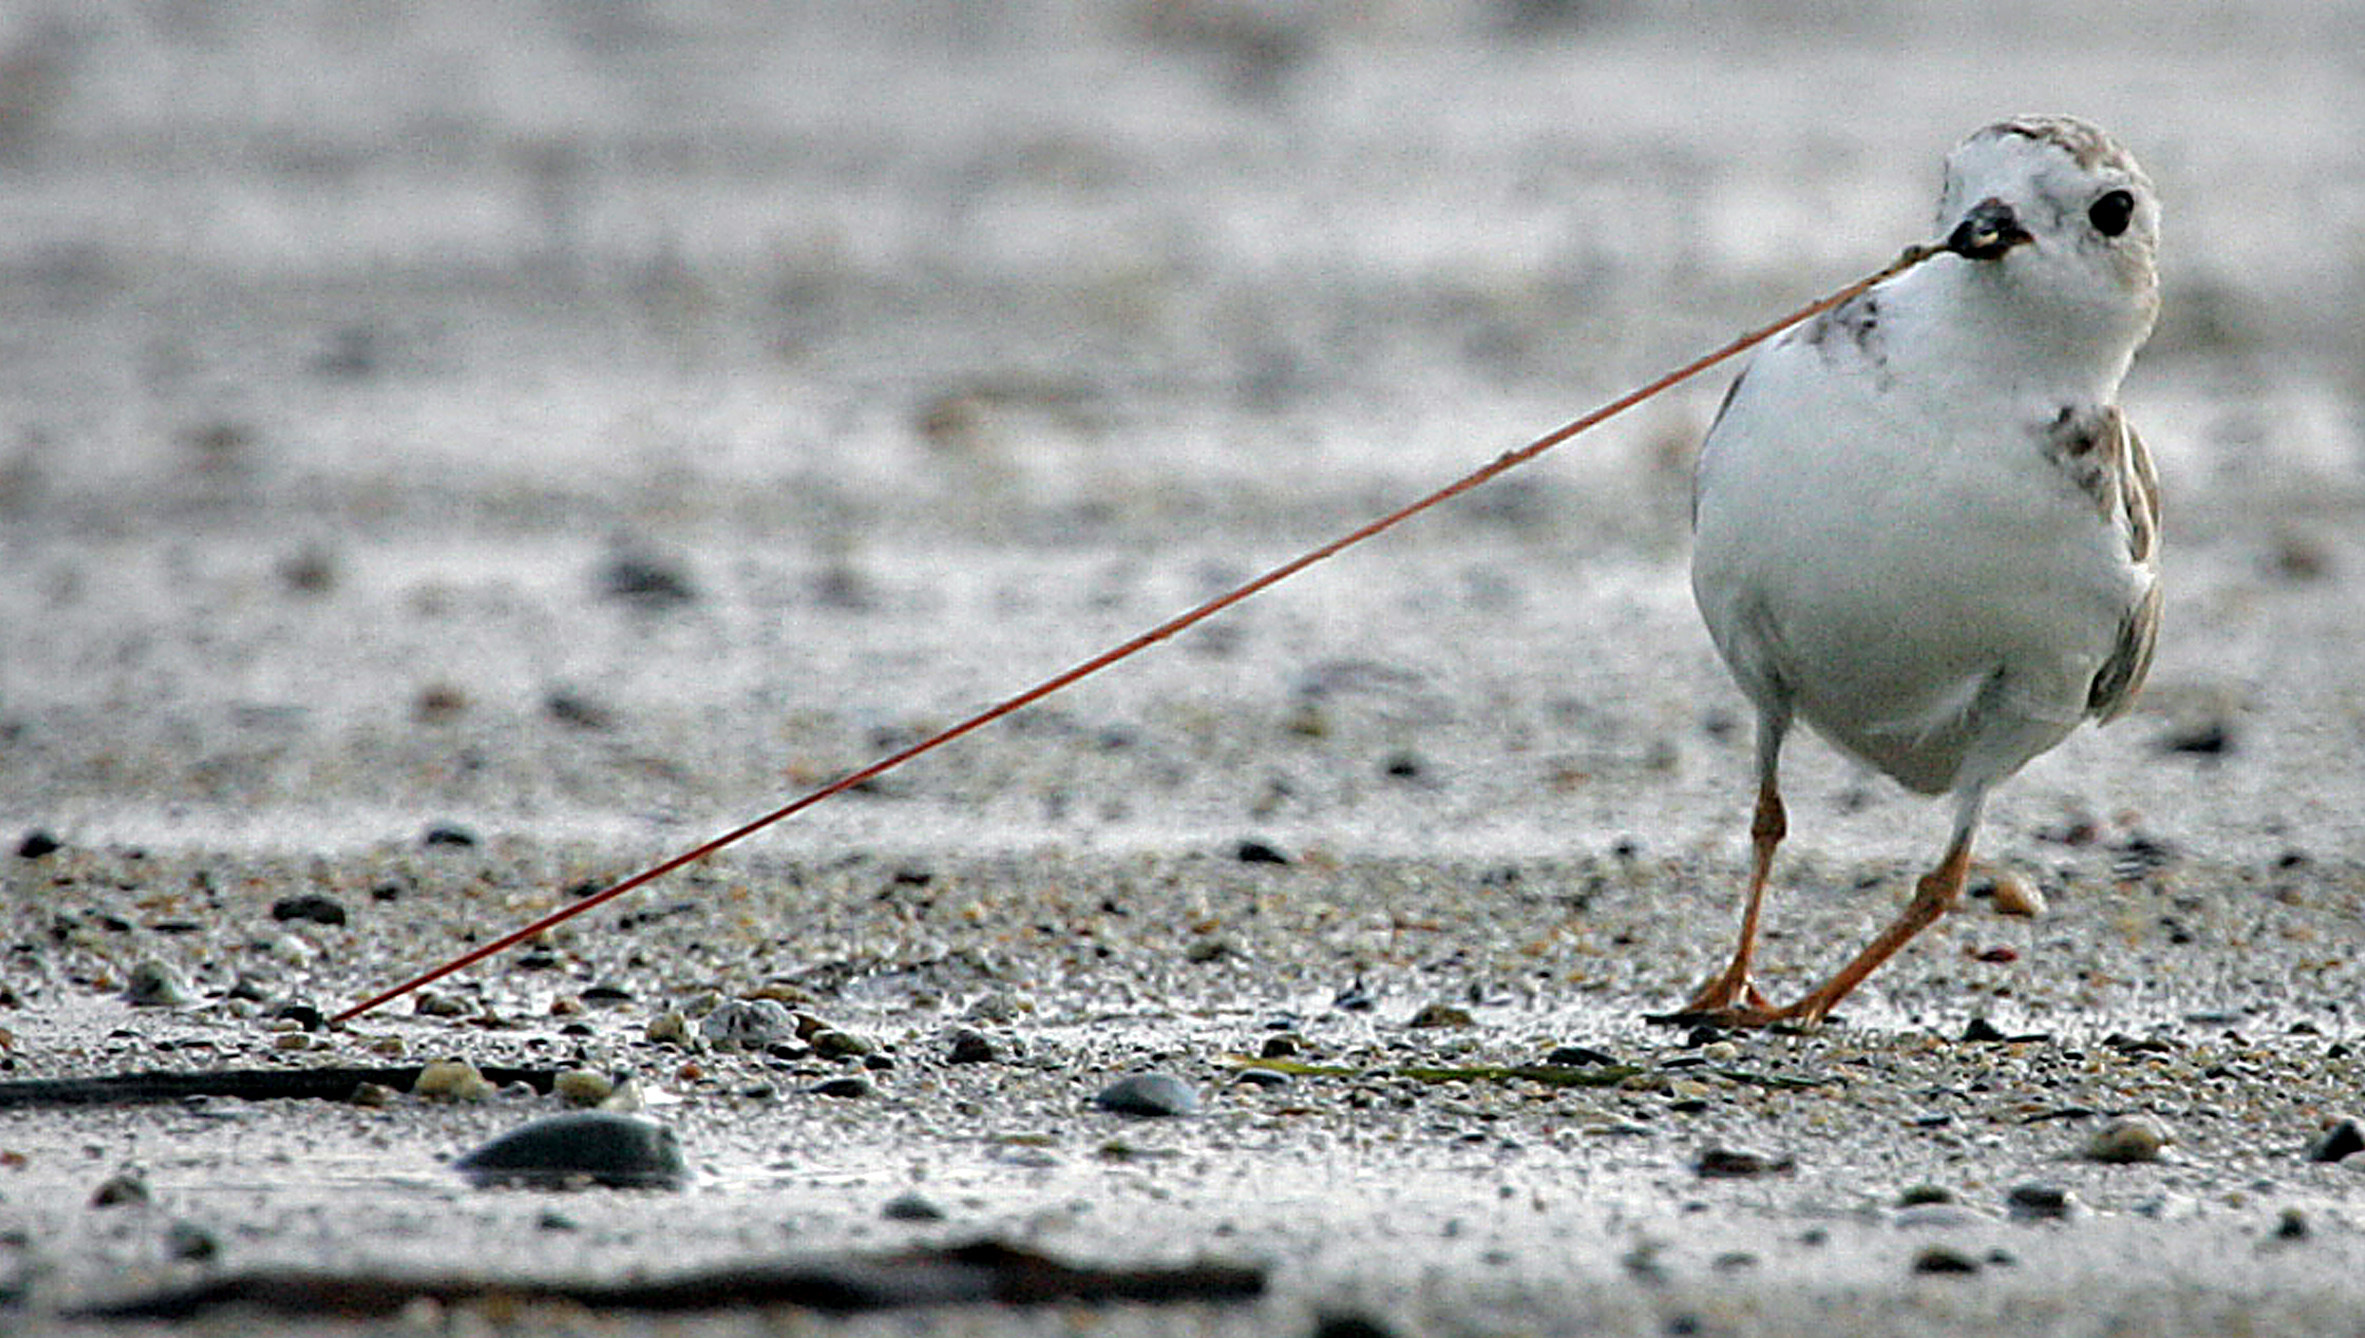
x=309, y=906
x=2343, y=1138
x=1944, y=1259
x=911, y=1206
x=831, y=1043
x=38, y=844
x=156, y=985
x=1441, y=1015
x=129, y=1185
x=2016, y=896
x=1207, y=948
x=2292, y=1225
x=304, y=1015
x=451, y=1080
x=1350, y=1325
x=748, y=1024
x=583, y=1087
x=1580, y=1057
x=843, y=1087
x=580, y=1146
x=1919, y=1194
x=2210, y=738
x=1259, y=852
x=1723, y=1163
x=2036, y=1201
x=1150, y=1095
x=429, y=1003
x=372, y=1094
x=1261, y=1077
x=1981, y=1031
x=2125, y=1141
x=190, y=1242
x=448, y=834
x=1282, y=1046
x=972, y=1047
x=647, y=580
x=669, y=1028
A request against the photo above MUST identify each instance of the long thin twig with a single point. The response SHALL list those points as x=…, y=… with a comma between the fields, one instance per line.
x=1912, y=255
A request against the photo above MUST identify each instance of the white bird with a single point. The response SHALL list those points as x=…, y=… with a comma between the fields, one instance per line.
x=1922, y=525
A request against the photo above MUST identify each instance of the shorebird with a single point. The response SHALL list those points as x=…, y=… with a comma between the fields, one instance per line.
x=1924, y=528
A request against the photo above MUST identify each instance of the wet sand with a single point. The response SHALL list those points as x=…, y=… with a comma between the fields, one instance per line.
x=578, y=438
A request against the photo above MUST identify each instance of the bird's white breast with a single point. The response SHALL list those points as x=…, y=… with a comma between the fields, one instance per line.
x=1883, y=543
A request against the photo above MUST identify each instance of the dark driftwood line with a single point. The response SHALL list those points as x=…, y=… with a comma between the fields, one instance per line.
x=306, y=1084
x=982, y=1271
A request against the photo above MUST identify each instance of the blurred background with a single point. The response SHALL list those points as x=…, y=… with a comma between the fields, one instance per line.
x=602, y=418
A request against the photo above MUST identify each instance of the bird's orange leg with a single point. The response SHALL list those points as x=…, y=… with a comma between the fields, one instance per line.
x=1731, y=996
x=1933, y=897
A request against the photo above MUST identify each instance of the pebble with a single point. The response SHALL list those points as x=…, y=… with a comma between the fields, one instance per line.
x=190, y=1242
x=1580, y=1057
x=451, y=1080
x=309, y=906
x=596, y=1146
x=972, y=1047
x=2125, y=1141
x=1723, y=1163
x=1943, y=1259
x=911, y=1206
x=1148, y=1094
x=38, y=844
x=669, y=1028
x=2017, y=897
x=583, y=1087
x=1350, y=1325
x=129, y=1185
x=303, y=1015
x=2036, y=1201
x=1262, y=1077
x=647, y=579
x=831, y=1043
x=1441, y=1015
x=373, y=1094
x=843, y=1087
x=155, y=985
x=748, y=1024
x=429, y=1003
x=2344, y=1138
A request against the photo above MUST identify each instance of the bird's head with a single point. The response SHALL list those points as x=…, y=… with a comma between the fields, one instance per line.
x=2054, y=208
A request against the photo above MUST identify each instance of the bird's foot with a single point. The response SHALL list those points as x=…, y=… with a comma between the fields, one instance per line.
x=1733, y=1000
x=1729, y=999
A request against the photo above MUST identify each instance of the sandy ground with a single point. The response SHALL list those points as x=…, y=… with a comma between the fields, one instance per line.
x=581, y=429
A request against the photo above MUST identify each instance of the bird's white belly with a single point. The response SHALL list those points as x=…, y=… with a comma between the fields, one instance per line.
x=1923, y=605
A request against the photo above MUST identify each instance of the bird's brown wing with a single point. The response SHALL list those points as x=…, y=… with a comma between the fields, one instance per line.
x=2121, y=676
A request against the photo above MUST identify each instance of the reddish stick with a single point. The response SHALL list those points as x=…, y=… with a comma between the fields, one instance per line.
x=1912, y=255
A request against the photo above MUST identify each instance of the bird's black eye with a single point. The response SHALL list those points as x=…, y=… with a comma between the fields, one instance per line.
x=2111, y=212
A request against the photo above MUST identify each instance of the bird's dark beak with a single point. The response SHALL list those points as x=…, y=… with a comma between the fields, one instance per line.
x=1987, y=232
